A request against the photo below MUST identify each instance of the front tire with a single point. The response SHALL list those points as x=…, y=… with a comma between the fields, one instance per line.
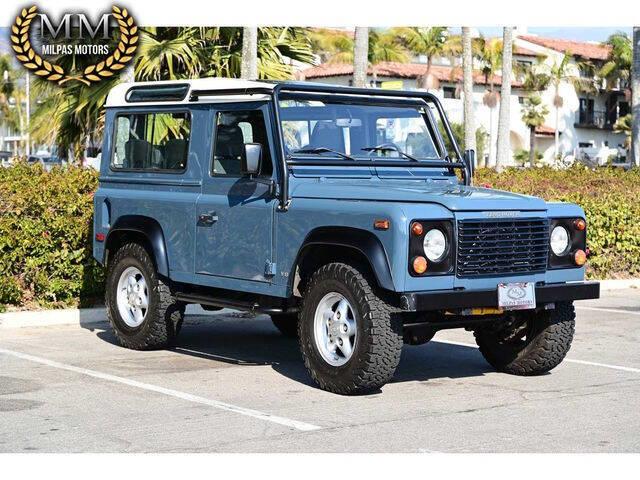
x=530, y=343
x=142, y=312
x=350, y=336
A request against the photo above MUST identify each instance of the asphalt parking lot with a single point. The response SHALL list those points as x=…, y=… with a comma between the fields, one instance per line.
x=234, y=384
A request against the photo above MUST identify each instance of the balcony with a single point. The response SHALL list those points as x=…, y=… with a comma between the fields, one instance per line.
x=594, y=119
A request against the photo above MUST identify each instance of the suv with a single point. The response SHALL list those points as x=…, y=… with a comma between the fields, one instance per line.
x=342, y=213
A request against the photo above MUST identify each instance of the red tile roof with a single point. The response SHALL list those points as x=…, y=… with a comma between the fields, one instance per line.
x=591, y=51
x=545, y=130
x=400, y=70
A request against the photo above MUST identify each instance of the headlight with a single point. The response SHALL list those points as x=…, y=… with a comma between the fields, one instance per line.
x=559, y=241
x=435, y=245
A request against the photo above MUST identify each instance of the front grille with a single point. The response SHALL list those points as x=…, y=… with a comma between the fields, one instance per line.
x=502, y=247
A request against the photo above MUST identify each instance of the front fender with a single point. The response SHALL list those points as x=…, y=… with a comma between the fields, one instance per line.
x=361, y=240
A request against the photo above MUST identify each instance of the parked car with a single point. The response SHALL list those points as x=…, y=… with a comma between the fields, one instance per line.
x=5, y=158
x=339, y=212
x=47, y=161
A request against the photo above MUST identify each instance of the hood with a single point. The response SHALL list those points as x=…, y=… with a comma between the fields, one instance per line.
x=453, y=197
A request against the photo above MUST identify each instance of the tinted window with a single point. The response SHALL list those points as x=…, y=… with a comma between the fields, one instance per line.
x=233, y=131
x=152, y=141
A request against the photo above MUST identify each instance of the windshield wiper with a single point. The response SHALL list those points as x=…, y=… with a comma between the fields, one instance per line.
x=324, y=150
x=390, y=148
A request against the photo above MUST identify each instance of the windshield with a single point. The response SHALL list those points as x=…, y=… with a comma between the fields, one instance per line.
x=359, y=131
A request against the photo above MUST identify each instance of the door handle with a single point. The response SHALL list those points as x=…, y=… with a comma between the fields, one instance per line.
x=207, y=219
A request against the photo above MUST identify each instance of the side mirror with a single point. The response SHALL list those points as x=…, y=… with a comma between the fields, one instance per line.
x=252, y=157
x=470, y=161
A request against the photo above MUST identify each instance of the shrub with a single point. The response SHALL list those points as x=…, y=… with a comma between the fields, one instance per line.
x=610, y=198
x=45, y=236
x=46, y=226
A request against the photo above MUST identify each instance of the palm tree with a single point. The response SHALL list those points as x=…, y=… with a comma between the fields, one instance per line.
x=533, y=114
x=635, y=98
x=467, y=87
x=505, y=94
x=489, y=53
x=249, y=67
x=624, y=125
x=73, y=115
x=534, y=81
x=433, y=42
x=559, y=72
x=336, y=46
x=617, y=69
x=360, y=57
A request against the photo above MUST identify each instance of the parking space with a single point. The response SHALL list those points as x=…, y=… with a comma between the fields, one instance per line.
x=234, y=384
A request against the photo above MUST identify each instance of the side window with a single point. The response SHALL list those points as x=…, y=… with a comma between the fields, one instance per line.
x=233, y=131
x=152, y=141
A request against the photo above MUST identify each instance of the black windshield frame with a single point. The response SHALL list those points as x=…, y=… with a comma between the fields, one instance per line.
x=345, y=92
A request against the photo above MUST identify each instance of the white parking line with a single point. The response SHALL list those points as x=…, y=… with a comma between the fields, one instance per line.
x=287, y=422
x=610, y=310
x=570, y=360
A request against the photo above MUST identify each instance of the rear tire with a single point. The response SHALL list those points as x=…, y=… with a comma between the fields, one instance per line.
x=532, y=343
x=341, y=305
x=155, y=326
x=287, y=323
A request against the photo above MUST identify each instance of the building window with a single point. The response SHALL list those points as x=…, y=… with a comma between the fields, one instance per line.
x=449, y=92
x=521, y=100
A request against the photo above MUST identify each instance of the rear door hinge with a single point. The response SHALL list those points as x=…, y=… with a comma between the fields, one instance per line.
x=269, y=269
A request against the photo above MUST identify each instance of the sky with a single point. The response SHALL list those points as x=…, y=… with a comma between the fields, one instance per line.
x=588, y=34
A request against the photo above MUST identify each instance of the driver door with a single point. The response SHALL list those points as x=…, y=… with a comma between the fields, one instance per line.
x=235, y=213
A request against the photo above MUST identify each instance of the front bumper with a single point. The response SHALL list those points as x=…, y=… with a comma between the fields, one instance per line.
x=454, y=299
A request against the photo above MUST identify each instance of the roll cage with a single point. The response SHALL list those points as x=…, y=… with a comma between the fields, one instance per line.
x=335, y=92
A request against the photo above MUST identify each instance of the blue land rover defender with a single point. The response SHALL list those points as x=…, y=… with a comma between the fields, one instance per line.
x=342, y=213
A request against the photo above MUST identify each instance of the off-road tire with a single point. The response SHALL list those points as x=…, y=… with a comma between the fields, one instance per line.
x=379, y=332
x=287, y=323
x=164, y=315
x=550, y=340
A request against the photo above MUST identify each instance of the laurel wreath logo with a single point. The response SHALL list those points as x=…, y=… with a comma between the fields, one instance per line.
x=110, y=66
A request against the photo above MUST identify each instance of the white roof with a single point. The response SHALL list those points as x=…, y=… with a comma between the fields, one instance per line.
x=117, y=95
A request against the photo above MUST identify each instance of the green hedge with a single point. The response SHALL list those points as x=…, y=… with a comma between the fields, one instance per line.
x=46, y=227
x=45, y=237
x=610, y=198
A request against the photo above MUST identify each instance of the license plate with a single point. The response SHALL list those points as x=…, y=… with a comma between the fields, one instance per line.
x=517, y=296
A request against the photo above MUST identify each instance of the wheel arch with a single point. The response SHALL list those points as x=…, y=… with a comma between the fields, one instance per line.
x=139, y=227
x=332, y=242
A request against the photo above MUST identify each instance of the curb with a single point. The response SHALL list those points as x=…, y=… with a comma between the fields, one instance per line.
x=91, y=316
x=82, y=317
x=607, y=285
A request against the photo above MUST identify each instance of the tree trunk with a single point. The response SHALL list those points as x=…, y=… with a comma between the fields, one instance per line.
x=556, y=148
x=467, y=88
x=504, y=117
x=635, y=99
x=532, y=147
x=360, y=57
x=249, y=66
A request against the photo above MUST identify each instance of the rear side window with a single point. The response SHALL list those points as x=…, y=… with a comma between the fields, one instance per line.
x=152, y=141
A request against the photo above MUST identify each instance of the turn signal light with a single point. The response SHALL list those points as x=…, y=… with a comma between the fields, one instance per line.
x=579, y=224
x=420, y=265
x=580, y=258
x=381, y=224
x=417, y=229
x=100, y=237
